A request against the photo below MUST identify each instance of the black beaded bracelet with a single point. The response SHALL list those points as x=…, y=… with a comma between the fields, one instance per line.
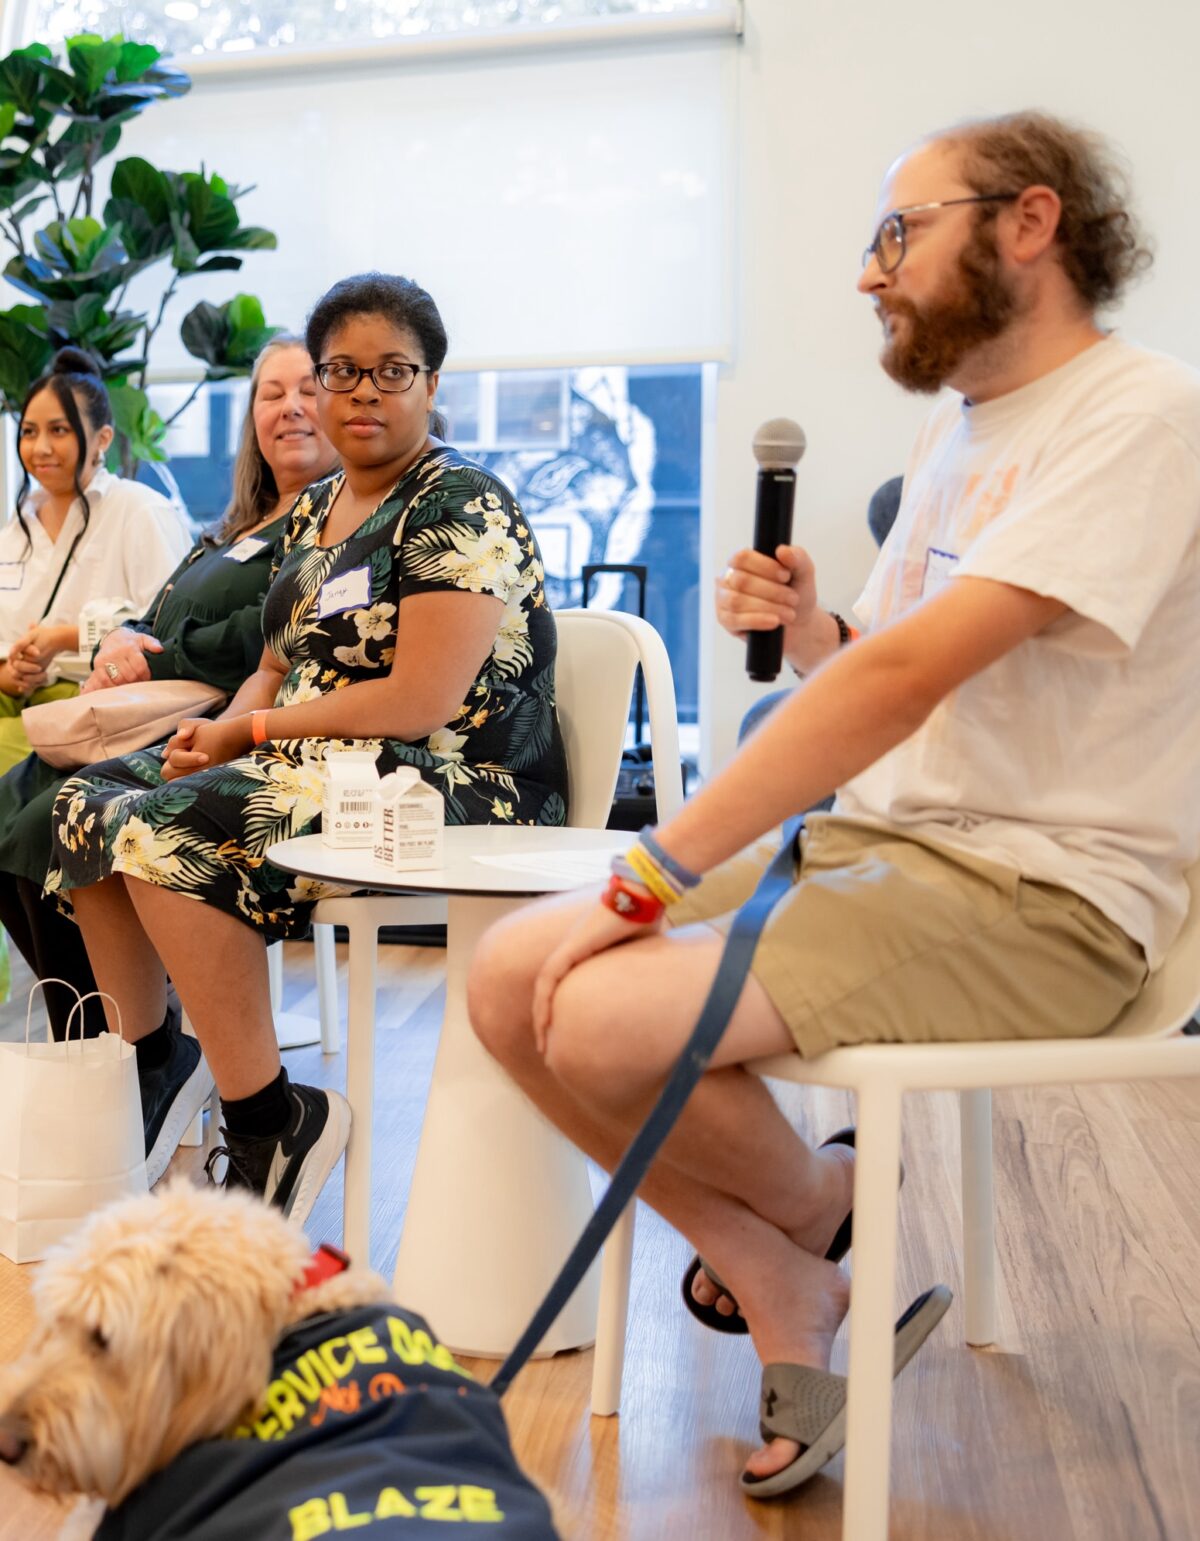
x=843, y=629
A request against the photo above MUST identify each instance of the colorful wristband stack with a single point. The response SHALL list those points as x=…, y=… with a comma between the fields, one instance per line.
x=647, y=864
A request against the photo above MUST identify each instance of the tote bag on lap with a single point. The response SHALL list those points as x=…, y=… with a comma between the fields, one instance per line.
x=104, y=724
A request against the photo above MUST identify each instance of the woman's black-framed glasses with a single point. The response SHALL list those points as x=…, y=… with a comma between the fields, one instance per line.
x=391, y=379
x=890, y=242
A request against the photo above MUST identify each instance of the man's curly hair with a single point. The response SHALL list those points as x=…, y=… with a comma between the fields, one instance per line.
x=1100, y=246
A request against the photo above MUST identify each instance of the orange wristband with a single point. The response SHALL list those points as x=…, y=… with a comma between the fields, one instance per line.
x=258, y=727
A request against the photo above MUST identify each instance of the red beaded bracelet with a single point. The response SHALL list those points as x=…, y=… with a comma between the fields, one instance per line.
x=627, y=901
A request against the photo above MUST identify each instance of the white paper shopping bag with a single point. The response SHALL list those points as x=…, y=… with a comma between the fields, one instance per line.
x=71, y=1136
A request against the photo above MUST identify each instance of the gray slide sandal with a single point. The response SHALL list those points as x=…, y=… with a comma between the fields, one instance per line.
x=809, y=1405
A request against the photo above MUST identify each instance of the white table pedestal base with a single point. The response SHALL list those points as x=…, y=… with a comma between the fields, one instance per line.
x=498, y=1196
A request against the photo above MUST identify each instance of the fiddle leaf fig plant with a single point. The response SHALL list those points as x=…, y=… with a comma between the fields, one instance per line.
x=59, y=118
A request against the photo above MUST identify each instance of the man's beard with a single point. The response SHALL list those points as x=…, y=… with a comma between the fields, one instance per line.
x=977, y=309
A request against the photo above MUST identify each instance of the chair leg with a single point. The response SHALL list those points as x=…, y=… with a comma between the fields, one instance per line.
x=360, y=1087
x=869, y=1407
x=194, y=1134
x=608, y=1363
x=979, y=1224
x=327, y=989
x=275, y=975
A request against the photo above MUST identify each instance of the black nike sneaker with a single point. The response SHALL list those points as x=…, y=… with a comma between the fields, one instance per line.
x=172, y=1095
x=289, y=1170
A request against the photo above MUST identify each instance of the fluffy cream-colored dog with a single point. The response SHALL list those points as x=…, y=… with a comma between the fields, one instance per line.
x=186, y=1316
x=155, y=1327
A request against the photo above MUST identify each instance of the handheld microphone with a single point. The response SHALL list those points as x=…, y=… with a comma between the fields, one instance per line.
x=778, y=446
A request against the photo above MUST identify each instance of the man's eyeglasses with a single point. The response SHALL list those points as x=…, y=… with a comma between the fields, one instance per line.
x=391, y=379
x=890, y=242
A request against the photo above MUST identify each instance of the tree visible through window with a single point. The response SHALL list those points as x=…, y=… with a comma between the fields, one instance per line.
x=230, y=26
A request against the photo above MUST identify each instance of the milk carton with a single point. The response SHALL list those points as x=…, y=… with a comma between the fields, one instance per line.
x=409, y=819
x=348, y=800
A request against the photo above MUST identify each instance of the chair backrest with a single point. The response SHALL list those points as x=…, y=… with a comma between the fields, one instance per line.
x=1172, y=992
x=598, y=655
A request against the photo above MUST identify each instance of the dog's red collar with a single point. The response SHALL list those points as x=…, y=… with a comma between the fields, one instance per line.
x=325, y=1262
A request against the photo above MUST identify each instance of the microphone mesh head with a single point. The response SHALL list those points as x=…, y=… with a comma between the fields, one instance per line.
x=779, y=444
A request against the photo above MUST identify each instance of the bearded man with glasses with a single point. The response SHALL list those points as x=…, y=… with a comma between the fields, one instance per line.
x=1011, y=738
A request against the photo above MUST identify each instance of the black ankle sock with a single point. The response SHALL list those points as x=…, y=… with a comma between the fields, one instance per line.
x=260, y=1115
x=154, y=1050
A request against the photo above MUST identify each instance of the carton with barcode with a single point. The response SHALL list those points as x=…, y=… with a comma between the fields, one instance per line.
x=348, y=800
x=409, y=820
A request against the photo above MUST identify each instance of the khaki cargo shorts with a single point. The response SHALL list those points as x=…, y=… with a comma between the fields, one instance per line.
x=890, y=939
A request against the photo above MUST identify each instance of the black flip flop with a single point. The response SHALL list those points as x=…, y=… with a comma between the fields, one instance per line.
x=735, y=1323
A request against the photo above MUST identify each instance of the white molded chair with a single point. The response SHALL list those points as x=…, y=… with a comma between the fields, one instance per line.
x=599, y=652
x=1143, y=1044
x=293, y=1030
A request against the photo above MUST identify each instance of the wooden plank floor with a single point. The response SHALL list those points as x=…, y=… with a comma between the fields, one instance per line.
x=1081, y=1424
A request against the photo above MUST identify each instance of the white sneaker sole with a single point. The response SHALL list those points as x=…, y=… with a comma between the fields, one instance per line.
x=194, y=1093
x=322, y=1159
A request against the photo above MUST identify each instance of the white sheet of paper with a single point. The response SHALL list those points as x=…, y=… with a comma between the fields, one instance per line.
x=579, y=866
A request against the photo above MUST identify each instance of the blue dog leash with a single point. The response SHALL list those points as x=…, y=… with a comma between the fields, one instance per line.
x=690, y=1066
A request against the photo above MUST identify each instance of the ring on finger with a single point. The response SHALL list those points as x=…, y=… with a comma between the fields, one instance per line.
x=112, y=671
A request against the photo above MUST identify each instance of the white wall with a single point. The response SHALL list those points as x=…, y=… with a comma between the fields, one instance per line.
x=829, y=94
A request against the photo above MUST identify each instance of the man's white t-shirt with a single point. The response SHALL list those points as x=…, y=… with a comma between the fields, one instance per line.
x=133, y=542
x=1076, y=757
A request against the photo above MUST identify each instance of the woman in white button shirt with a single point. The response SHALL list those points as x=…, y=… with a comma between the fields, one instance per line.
x=80, y=534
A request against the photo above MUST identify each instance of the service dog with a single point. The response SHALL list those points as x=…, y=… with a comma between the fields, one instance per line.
x=195, y=1372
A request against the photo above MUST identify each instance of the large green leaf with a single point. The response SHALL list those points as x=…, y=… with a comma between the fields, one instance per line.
x=74, y=258
x=136, y=421
x=135, y=180
x=89, y=324
x=25, y=352
x=30, y=79
x=137, y=60
x=92, y=59
x=227, y=337
x=205, y=220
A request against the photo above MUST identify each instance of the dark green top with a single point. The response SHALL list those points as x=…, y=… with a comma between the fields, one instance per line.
x=208, y=617
x=208, y=614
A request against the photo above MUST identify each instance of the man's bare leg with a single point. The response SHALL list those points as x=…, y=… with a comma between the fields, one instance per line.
x=738, y=1181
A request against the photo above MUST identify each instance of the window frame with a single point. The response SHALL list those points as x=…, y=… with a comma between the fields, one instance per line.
x=17, y=30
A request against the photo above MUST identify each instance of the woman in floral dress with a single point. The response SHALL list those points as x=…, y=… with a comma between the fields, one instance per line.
x=407, y=618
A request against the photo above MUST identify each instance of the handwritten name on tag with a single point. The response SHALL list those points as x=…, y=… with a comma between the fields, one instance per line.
x=348, y=591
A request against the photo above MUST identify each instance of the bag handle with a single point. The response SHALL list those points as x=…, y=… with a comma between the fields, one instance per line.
x=689, y=1067
x=40, y=984
x=92, y=995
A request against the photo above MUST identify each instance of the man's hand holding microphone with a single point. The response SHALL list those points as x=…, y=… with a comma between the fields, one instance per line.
x=767, y=595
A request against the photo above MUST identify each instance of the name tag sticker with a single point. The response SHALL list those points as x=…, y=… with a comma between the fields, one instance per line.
x=940, y=567
x=12, y=577
x=348, y=591
x=248, y=546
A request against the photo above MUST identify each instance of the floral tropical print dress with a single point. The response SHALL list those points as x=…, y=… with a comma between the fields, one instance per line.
x=330, y=615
